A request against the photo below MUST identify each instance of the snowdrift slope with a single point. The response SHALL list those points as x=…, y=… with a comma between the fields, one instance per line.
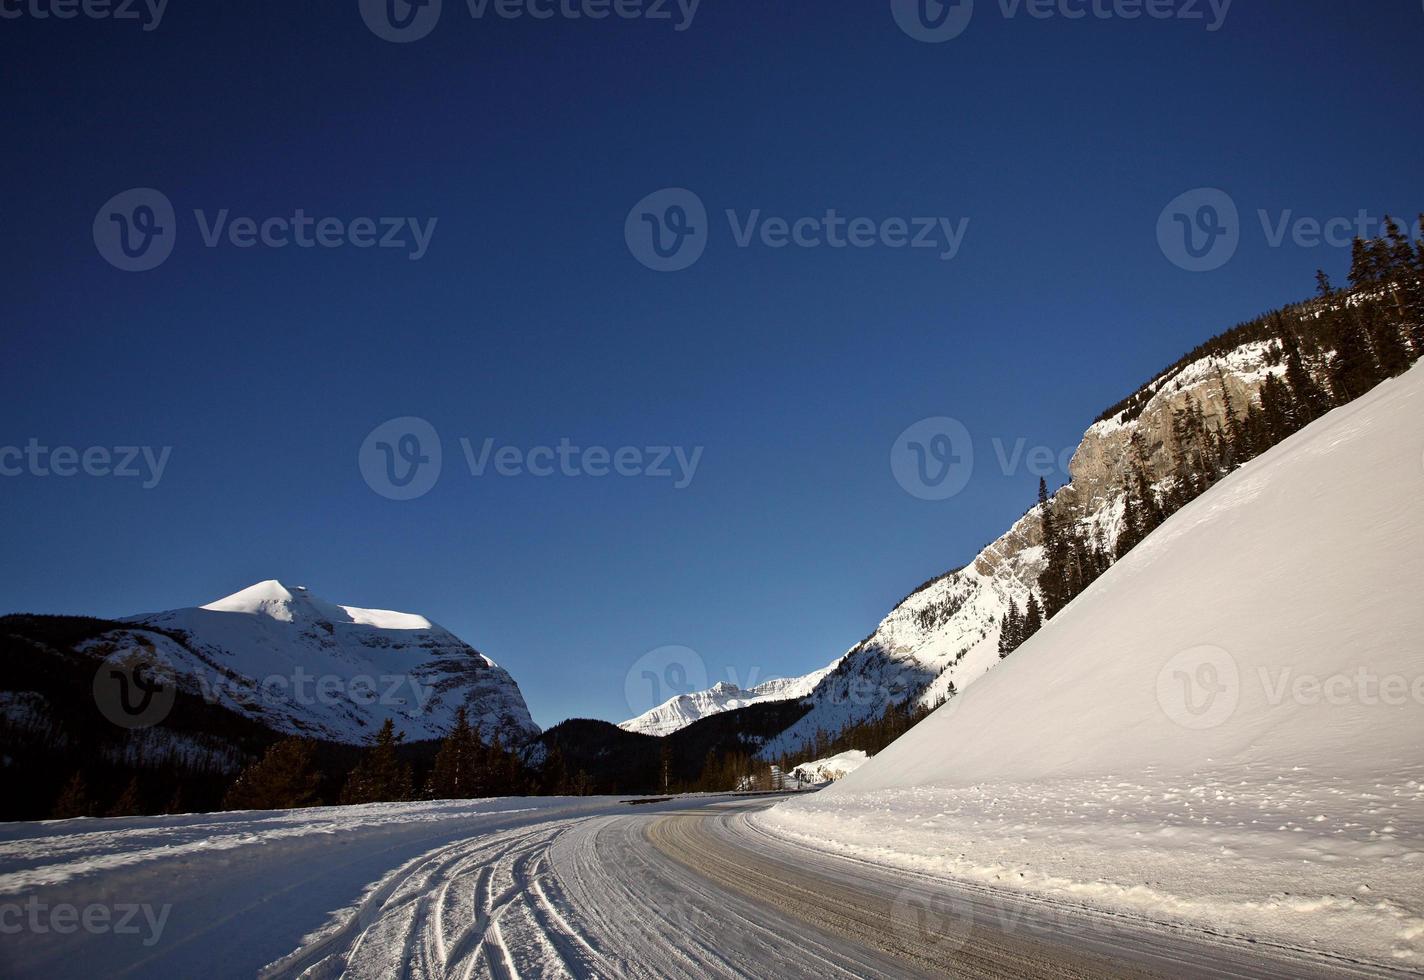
x=1227, y=726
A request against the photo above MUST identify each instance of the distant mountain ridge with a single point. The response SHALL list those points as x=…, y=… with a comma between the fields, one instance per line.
x=679, y=712
x=301, y=665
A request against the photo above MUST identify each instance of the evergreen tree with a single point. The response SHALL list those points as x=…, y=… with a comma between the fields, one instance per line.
x=380, y=776
x=1415, y=274
x=1391, y=352
x=1134, y=523
x=285, y=778
x=1057, y=548
x=74, y=800
x=1307, y=400
x=1322, y=284
x=1009, y=631
x=555, y=773
x=129, y=803
x=460, y=765
x=1033, y=618
x=1353, y=370
x=1277, y=410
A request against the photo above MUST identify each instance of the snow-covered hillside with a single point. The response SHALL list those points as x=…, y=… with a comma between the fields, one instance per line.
x=945, y=636
x=683, y=710
x=303, y=665
x=1226, y=727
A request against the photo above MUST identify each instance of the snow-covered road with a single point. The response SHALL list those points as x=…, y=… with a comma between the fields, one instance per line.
x=538, y=888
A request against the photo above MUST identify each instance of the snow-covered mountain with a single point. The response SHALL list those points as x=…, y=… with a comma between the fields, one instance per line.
x=945, y=636
x=303, y=665
x=683, y=710
x=1226, y=727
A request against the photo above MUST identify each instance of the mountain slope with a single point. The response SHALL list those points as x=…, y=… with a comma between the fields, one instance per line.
x=1225, y=727
x=302, y=665
x=945, y=636
x=683, y=710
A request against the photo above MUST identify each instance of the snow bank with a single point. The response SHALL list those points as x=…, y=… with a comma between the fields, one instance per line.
x=1226, y=728
x=831, y=768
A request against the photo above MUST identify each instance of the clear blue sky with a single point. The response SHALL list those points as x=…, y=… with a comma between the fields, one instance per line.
x=528, y=320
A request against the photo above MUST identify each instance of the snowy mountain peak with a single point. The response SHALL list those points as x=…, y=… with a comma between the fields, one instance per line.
x=301, y=664
x=275, y=601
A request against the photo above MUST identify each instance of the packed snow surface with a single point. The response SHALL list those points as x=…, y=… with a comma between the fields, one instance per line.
x=1227, y=728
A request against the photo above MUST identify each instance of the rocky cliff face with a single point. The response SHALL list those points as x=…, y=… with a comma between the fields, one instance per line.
x=944, y=637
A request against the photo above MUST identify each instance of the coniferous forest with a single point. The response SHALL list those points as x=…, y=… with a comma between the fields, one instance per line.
x=1334, y=348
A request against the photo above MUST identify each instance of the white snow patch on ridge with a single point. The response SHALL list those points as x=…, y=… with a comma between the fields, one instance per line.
x=1224, y=729
x=272, y=599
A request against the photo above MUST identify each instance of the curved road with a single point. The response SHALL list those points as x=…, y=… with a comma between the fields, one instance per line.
x=703, y=892
x=688, y=888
